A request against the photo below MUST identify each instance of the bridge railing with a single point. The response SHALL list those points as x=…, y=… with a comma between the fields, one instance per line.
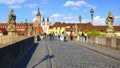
x=4, y=39
x=106, y=41
x=11, y=53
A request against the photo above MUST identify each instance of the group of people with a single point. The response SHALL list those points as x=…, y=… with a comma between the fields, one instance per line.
x=83, y=36
x=63, y=36
x=52, y=35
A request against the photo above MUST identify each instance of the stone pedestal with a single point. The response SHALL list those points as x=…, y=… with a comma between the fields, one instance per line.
x=12, y=33
x=12, y=24
x=109, y=32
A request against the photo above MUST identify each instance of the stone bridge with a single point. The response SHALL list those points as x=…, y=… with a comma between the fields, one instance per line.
x=57, y=54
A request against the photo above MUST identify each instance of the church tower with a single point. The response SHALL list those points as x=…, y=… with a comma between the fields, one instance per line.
x=38, y=17
x=43, y=22
x=48, y=22
x=36, y=24
x=45, y=25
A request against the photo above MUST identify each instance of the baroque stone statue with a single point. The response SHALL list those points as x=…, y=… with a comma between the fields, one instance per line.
x=11, y=20
x=109, y=21
x=11, y=23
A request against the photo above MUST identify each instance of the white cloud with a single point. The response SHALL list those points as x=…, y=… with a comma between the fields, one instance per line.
x=32, y=5
x=117, y=20
x=84, y=21
x=68, y=18
x=77, y=4
x=45, y=1
x=34, y=19
x=99, y=21
x=117, y=17
x=12, y=1
x=56, y=15
x=85, y=10
x=14, y=6
x=34, y=12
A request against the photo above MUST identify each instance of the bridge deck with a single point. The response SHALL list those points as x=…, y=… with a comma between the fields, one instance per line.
x=58, y=54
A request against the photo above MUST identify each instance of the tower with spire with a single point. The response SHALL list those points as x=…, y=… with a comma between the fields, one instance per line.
x=36, y=24
x=38, y=19
x=45, y=25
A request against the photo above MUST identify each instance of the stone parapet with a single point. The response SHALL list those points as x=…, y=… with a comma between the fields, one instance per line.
x=106, y=41
x=12, y=53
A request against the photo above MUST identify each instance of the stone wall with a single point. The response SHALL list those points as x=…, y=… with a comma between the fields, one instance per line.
x=5, y=39
x=106, y=41
x=11, y=54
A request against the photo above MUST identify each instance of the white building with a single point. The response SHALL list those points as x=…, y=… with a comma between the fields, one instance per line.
x=45, y=25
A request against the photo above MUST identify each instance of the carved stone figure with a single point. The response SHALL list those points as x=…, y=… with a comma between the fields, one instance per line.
x=110, y=20
x=11, y=20
x=11, y=23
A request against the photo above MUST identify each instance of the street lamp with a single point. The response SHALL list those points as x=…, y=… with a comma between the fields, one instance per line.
x=80, y=18
x=92, y=13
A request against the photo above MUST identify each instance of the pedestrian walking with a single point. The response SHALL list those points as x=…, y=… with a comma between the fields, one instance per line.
x=85, y=35
x=50, y=35
x=82, y=37
x=62, y=36
x=71, y=35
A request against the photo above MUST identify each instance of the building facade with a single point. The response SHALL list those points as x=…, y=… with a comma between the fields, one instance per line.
x=22, y=28
x=45, y=25
x=59, y=27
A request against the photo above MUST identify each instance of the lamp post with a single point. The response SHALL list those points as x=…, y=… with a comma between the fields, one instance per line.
x=80, y=18
x=92, y=13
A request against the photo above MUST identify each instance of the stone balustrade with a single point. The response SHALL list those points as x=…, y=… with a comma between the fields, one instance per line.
x=106, y=41
x=11, y=53
x=5, y=39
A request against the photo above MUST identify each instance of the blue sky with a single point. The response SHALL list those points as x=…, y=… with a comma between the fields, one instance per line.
x=61, y=10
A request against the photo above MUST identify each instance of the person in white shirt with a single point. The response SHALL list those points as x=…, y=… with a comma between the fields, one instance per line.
x=62, y=36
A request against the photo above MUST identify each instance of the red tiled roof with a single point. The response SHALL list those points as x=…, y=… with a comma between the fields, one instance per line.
x=50, y=27
x=58, y=24
x=100, y=28
x=117, y=28
x=3, y=30
x=39, y=29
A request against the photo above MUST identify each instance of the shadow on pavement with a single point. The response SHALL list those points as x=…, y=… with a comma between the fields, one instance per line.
x=47, y=57
x=25, y=60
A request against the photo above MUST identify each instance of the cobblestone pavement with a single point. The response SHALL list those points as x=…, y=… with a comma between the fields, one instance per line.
x=113, y=53
x=58, y=54
x=39, y=58
x=70, y=55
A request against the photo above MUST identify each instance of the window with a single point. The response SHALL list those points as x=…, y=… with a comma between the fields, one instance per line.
x=67, y=26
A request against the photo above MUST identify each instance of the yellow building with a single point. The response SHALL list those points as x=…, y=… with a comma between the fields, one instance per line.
x=57, y=28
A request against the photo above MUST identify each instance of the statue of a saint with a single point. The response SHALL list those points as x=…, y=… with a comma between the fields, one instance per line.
x=109, y=20
x=11, y=20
